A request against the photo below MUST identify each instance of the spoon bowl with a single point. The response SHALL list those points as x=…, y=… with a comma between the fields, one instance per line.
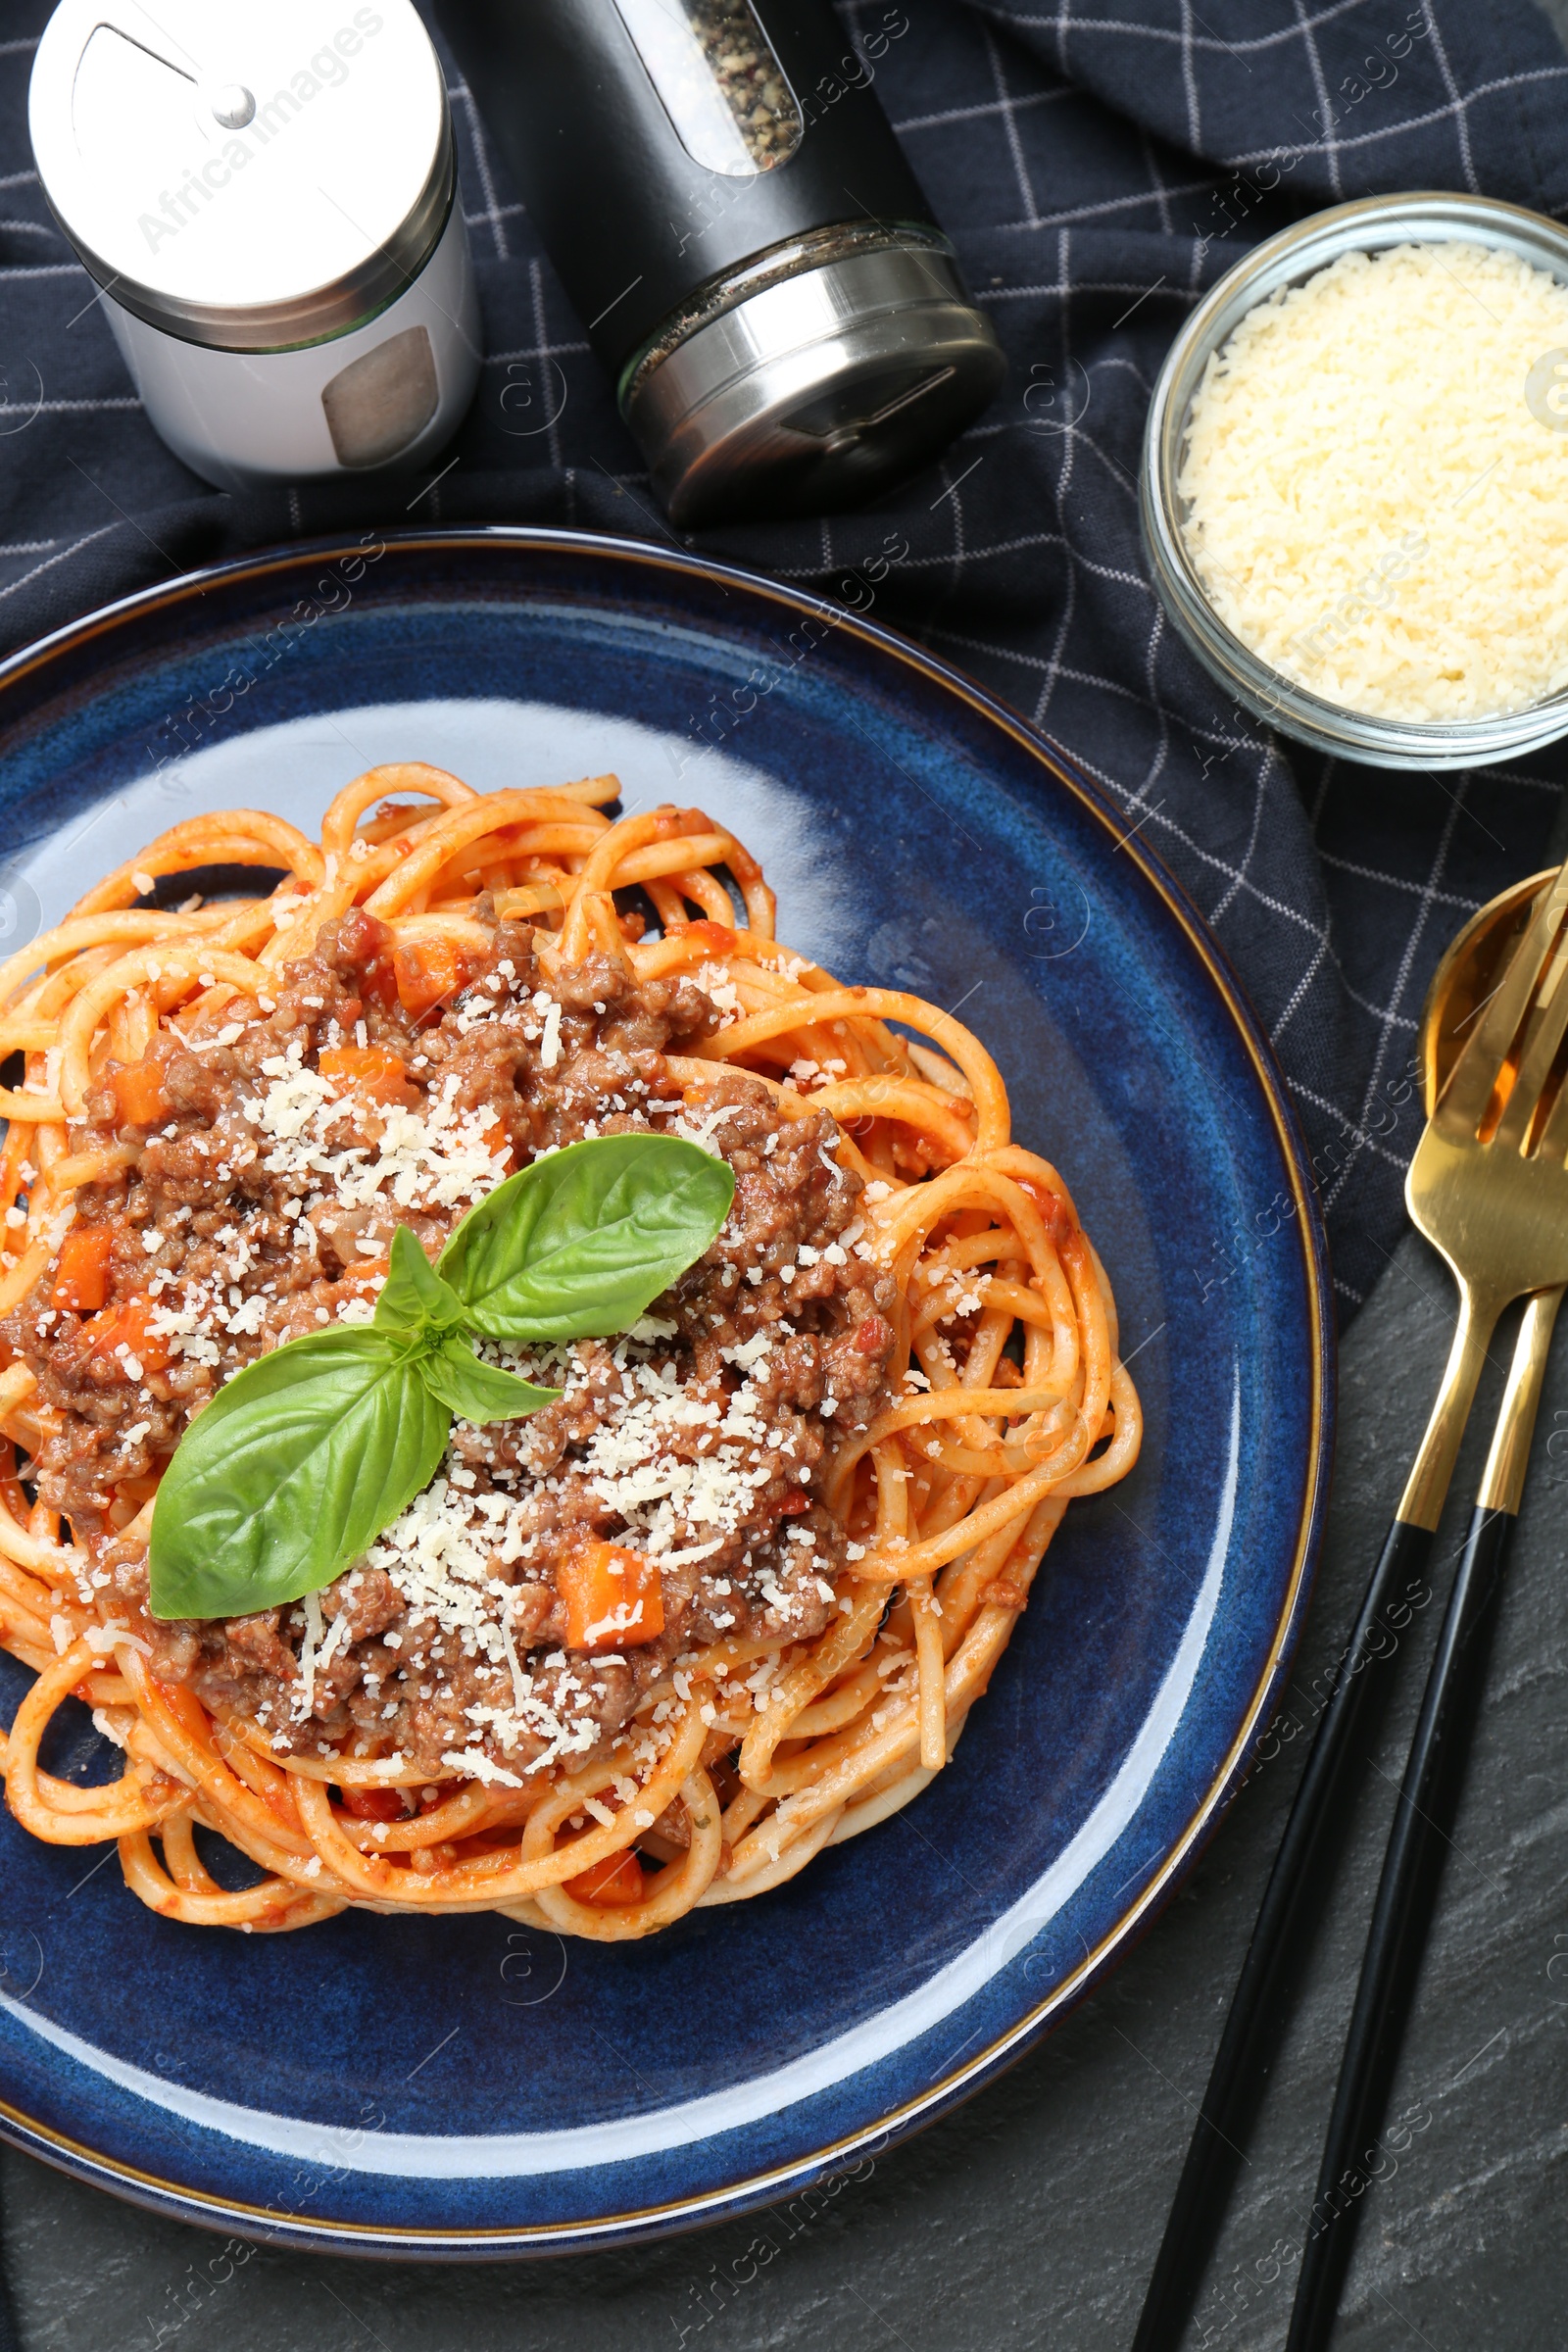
x=1467, y=972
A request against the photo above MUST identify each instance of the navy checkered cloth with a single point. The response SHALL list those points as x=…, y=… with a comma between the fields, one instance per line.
x=1098, y=166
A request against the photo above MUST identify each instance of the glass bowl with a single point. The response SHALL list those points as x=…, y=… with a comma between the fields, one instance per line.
x=1286, y=259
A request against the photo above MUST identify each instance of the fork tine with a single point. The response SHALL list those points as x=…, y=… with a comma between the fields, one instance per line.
x=1542, y=1036
x=1554, y=1143
x=1475, y=1074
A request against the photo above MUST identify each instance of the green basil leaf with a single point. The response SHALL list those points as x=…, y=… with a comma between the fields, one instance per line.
x=577, y=1245
x=290, y=1472
x=414, y=1298
x=480, y=1392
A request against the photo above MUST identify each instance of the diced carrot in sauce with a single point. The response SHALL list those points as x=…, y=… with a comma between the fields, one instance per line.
x=618, y=1879
x=366, y=1278
x=129, y=1327
x=82, y=1281
x=614, y=1598
x=427, y=970
x=794, y=1501
x=139, y=1094
x=717, y=936
x=372, y=1071
x=372, y=1805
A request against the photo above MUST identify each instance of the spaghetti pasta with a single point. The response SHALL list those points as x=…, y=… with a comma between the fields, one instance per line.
x=911, y=1400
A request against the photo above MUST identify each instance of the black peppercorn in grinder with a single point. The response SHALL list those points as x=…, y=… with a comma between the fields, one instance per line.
x=727, y=206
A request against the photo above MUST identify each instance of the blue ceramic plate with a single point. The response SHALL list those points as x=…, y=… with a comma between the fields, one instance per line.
x=468, y=2087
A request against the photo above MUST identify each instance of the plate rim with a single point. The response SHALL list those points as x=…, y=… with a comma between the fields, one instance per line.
x=643, y=2225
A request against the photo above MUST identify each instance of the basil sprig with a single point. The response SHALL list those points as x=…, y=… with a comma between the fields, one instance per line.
x=302, y=1460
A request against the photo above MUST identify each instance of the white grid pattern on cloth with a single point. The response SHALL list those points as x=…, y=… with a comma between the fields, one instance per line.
x=462, y=96
x=1093, y=166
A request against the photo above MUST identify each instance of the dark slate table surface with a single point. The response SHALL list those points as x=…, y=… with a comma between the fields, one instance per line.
x=1029, y=2218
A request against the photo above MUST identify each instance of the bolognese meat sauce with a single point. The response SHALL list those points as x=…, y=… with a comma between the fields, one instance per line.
x=267, y=1163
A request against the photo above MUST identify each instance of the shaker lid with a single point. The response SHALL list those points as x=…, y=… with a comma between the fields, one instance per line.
x=246, y=173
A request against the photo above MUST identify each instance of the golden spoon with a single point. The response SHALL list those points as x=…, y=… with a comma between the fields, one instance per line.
x=1464, y=982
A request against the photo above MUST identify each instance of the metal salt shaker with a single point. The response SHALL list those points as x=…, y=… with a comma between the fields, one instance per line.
x=266, y=193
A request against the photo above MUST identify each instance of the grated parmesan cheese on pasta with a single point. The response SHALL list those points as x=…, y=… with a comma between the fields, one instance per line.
x=1372, y=503
x=435, y=1154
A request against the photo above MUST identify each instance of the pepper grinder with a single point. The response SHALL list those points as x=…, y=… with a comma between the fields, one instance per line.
x=730, y=213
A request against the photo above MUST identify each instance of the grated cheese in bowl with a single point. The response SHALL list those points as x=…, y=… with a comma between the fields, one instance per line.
x=1374, y=503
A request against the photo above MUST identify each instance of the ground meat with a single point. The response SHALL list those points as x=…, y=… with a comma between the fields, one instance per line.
x=699, y=1437
x=202, y=1214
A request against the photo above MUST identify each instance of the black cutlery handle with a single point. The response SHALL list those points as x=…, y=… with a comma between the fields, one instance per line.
x=1259, y=2006
x=1412, y=1866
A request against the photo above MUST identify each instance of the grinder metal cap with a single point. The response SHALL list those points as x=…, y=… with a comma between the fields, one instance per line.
x=249, y=174
x=825, y=370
